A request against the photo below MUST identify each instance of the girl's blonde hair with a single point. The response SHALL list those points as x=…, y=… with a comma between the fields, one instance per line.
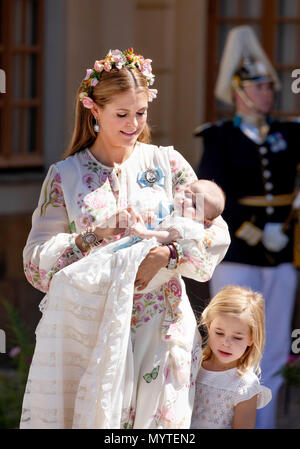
x=240, y=302
x=111, y=83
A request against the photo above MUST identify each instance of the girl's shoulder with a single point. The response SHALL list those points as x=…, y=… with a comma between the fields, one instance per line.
x=250, y=386
x=248, y=380
x=241, y=387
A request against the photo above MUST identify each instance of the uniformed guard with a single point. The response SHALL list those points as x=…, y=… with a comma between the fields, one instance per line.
x=254, y=159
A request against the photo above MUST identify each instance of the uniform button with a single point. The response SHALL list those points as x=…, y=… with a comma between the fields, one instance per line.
x=269, y=197
x=269, y=186
x=267, y=174
x=265, y=162
x=270, y=210
x=263, y=150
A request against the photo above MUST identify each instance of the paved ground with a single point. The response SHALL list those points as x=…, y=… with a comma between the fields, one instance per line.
x=289, y=409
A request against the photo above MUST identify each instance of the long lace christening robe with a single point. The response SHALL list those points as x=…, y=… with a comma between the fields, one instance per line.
x=106, y=357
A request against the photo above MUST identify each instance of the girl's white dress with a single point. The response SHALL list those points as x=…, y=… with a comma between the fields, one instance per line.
x=218, y=392
x=106, y=356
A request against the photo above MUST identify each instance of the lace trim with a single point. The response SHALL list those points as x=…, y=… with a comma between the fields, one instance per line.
x=47, y=416
x=51, y=387
x=57, y=331
x=50, y=359
x=78, y=310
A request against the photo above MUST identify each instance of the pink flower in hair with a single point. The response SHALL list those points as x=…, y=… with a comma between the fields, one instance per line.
x=145, y=67
x=87, y=102
x=150, y=79
x=118, y=58
x=107, y=66
x=116, y=55
x=88, y=74
x=94, y=82
x=152, y=94
x=99, y=66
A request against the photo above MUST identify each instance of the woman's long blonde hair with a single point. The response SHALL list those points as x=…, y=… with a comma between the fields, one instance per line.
x=111, y=83
x=239, y=302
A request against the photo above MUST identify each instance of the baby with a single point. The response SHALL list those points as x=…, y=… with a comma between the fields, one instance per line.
x=202, y=202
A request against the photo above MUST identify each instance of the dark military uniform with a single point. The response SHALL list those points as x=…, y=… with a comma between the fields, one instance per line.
x=262, y=177
x=254, y=159
x=244, y=168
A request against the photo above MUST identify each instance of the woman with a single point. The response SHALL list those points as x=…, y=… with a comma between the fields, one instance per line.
x=119, y=359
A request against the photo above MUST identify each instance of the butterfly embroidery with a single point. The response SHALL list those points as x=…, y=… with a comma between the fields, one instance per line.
x=151, y=376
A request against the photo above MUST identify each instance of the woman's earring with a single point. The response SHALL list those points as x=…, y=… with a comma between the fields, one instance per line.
x=96, y=127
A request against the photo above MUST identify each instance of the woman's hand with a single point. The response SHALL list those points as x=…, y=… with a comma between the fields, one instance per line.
x=116, y=224
x=156, y=259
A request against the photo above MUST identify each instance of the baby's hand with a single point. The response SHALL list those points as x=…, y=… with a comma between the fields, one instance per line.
x=118, y=223
x=139, y=229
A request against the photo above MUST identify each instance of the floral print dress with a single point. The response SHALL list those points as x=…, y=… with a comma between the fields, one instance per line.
x=105, y=356
x=219, y=392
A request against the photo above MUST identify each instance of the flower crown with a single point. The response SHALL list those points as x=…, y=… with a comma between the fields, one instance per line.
x=115, y=59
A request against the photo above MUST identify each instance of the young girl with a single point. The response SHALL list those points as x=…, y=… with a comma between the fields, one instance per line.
x=228, y=391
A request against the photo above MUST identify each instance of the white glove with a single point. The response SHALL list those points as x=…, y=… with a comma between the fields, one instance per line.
x=296, y=202
x=273, y=238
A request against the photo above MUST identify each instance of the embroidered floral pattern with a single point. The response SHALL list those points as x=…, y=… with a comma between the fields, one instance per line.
x=146, y=307
x=55, y=196
x=182, y=172
x=172, y=320
x=166, y=418
x=68, y=257
x=38, y=278
x=128, y=417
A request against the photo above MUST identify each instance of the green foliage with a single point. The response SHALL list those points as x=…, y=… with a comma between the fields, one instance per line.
x=13, y=380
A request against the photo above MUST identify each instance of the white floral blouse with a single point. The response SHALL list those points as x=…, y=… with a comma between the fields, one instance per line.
x=217, y=394
x=79, y=192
